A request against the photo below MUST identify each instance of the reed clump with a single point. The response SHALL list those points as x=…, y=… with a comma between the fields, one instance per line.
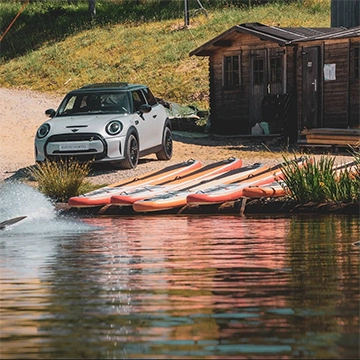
x=60, y=180
x=321, y=181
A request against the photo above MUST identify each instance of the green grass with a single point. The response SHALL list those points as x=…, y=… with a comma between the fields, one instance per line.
x=54, y=46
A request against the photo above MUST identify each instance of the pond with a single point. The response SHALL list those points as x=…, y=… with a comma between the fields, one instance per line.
x=185, y=286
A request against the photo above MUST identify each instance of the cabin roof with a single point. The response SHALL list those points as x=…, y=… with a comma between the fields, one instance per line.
x=343, y=33
x=281, y=35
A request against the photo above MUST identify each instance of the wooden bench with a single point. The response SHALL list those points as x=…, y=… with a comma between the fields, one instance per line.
x=303, y=144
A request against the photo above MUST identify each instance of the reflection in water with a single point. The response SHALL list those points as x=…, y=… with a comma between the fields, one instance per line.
x=184, y=286
x=325, y=276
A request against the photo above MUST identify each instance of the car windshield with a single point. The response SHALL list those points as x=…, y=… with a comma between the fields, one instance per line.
x=83, y=103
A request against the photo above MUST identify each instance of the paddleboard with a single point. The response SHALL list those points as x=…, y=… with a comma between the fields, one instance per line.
x=279, y=188
x=128, y=197
x=351, y=166
x=230, y=192
x=102, y=196
x=11, y=221
x=177, y=198
x=275, y=189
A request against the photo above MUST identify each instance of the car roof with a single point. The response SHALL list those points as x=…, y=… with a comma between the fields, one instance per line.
x=109, y=86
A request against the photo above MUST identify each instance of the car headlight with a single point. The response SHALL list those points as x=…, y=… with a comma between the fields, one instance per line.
x=114, y=127
x=43, y=130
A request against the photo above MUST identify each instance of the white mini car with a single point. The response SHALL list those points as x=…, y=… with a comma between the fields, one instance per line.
x=109, y=122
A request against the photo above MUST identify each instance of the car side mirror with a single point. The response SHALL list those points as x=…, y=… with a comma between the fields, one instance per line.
x=50, y=112
x=145, y=108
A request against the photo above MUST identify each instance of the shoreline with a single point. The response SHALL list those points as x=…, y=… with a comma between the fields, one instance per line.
x=261, y=207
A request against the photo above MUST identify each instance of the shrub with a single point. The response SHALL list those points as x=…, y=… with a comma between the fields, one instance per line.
x=61, y=180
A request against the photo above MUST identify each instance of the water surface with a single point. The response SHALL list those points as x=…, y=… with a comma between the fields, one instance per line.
x=178, y=286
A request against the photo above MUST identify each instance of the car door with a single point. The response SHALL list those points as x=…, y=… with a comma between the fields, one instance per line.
x=157, y=116
x=145, y=124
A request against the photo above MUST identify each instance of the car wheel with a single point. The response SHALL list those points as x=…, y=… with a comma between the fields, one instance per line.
x=131, y=153
x=167, y=145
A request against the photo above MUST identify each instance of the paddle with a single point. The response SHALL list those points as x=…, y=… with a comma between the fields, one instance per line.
x=11, y=221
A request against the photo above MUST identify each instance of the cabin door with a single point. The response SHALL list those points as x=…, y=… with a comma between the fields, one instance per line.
x=267, y=78
x=310, y=87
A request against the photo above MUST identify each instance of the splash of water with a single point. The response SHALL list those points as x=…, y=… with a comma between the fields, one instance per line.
x=18, y=199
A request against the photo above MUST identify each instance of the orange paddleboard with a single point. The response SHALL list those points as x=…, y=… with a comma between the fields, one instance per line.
x=279, y=188
x=102, y=196
x=230, y=192
x=274, y=189
x=127, y=198
x=176, y=198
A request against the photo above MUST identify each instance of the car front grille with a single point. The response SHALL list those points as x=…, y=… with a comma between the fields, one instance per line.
x=79, y=155
x=76, y=137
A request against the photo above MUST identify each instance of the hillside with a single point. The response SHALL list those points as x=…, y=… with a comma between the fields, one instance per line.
x=151, y=52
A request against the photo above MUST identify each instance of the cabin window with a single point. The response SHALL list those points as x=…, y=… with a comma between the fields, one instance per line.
x=258, y=71
x=357, y=62
x=275, y=69
x=232, y=70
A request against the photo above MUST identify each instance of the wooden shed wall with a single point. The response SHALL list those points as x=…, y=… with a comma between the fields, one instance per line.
x=291, y=54
x=299, y=85
x=338, y=103
x=338, y=99
x=354, y=89
x=336, y=92
x=230, y=107
x=291, y=87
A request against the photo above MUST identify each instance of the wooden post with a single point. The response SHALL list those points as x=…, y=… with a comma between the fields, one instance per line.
x=186, y=13
x=243, y=204
x=92, y=8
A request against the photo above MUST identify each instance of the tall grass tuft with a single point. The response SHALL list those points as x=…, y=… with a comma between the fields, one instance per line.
x=61, y=180
x=355, y=152
x=319, y=181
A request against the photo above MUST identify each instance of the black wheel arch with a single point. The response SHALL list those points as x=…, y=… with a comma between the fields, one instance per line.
x=167, y=124
x=132, y=130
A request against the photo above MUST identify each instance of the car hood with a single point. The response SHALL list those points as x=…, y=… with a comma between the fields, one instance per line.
x=84, y=123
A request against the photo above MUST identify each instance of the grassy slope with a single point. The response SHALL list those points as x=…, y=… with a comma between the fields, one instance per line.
x=154, y=53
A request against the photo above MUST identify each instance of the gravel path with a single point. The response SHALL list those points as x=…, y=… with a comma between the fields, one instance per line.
x=22, y=112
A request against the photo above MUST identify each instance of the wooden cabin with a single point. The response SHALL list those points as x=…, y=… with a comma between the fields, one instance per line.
x=282, y=79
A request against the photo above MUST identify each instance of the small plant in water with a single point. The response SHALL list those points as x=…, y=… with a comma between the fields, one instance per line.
x=62, y=179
